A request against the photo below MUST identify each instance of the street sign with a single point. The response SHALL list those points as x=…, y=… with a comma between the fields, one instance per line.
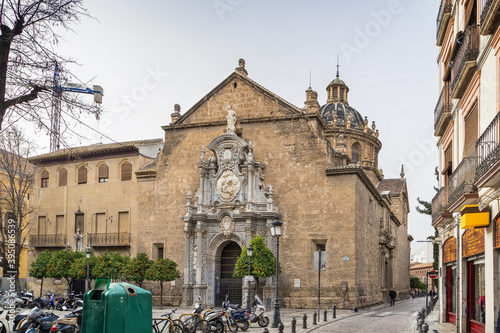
x=249, y=278
x=433, y=274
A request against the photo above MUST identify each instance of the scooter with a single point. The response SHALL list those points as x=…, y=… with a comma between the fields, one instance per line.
x=70, y=323
x=258, y=314
x=240, y=316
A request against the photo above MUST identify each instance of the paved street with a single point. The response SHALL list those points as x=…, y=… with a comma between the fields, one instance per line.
x=387, y=319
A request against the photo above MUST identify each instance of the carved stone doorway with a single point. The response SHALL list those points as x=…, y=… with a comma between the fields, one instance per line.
x=229, y=285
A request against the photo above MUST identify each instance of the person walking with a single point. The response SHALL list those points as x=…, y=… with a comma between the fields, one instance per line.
x=393, y=294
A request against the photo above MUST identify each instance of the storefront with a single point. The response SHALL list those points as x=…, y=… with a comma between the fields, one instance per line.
x=450, y=264
x=473, y=255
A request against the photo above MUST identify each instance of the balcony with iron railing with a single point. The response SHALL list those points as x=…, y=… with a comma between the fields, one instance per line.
x=442, y=20
x=461, y=184
x=488, y=154
x=490, y=16
x=464, y=63
x=440, y=206
x=442, y=112
x=48, y=240
x=109, y=239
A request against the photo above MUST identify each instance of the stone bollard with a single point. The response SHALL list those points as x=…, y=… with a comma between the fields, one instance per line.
x=314, y=317
x=423, y=312
x=294, y=323
x=425, y=328
x=304, y=321
x=334, y=311
x=266, y=330
x=324, y=315
x=420, y=322
x=281, y=327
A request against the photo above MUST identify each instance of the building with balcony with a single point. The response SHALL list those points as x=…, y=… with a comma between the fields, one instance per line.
x=87, y=196
x=466, y=121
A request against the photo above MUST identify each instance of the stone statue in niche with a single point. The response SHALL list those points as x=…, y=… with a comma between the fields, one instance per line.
x=231, y=119
x=78, y=240
x=228, y=185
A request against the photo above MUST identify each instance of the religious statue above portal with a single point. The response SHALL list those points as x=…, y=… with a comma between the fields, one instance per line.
x=231, y=119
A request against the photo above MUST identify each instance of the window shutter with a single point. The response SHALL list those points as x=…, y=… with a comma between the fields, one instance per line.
x=63, y=177
x=82, y=175
x=126, y=171
x=470, y=133
x=103, y=171
x=45, y=174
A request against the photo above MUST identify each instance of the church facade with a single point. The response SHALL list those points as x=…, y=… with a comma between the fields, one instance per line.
x=243, y=157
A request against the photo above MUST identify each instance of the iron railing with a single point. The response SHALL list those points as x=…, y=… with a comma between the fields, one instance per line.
x=462, y=179
x=446, y=6
x=110, y=239
x=48, y=240
x=440, y=203
x=443, y=105
x=488, y=147
x=468, y=51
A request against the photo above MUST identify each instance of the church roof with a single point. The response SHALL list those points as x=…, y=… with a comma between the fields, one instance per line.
x=343, y=111
x=395, y=185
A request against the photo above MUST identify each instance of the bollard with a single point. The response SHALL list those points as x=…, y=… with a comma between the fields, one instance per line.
x=324, y=316
x=294, y=322
x=281, y=327
x=304, y=321
x=420, y=322
x=266, y=330
x=425, y=328
x=334, y=311
x=314, y=317
x=423, y=312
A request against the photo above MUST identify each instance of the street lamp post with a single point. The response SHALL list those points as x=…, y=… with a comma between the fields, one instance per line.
x=276, y=232
x=249, y=254
x=87, y=255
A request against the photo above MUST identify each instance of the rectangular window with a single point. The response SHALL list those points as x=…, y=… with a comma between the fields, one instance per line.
x=42, y=225
x=100, y=223
x=59, y=224
x=471, y=132
x=335, y=93
x=123, y=221
x=79, y=222
x=158, y=251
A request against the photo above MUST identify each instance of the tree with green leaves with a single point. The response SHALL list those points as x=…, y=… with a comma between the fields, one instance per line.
x=162, y=270
x=263, y=262
x=110, y=265
x=137, y=268
x=38, y=268
x=68, y=265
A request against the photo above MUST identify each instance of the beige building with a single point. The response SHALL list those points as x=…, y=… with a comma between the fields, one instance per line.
x=87, y=196
x=234, y=162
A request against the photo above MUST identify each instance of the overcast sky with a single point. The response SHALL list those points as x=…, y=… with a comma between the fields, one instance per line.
x=149, y=55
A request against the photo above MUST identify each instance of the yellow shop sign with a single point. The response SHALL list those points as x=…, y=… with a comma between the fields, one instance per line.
x=472, y=217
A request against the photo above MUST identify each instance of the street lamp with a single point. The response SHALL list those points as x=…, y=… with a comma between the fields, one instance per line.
x=249, y=254
x=276, y=232
x=87, y=255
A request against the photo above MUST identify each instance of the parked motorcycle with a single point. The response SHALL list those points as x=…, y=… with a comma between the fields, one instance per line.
x=220, y=319
x=258, y=314
x=70, y=323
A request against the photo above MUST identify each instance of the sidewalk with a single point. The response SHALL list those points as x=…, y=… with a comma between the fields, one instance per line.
x=433, y=321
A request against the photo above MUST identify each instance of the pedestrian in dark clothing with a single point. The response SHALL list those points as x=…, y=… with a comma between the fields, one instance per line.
x=393, y=294
x=497, y=329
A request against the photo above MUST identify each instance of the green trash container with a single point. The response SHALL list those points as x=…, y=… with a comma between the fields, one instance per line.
x=117, y=308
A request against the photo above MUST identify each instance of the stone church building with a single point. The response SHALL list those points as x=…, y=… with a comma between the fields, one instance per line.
x=239, y=159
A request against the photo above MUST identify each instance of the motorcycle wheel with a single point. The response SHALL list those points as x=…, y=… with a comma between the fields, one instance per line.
x=231, y=325
x=243, y=325
x=219, y=327
x=58, y=307
x=202, y=326
x=263, y=321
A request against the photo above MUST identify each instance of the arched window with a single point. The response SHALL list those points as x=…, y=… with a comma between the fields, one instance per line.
x=82, y=175
x=103, y=173
x=44, y=177
x=356, y=151
x=126, y=171
x=63, y=177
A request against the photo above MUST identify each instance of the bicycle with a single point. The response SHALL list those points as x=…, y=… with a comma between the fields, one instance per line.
x=169, y=325
x=194, y=323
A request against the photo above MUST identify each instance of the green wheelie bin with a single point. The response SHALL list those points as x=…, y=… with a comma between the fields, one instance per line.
x=117, y=308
